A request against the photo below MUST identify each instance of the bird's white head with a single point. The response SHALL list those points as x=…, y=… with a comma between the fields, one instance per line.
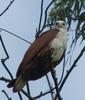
x=60, y=25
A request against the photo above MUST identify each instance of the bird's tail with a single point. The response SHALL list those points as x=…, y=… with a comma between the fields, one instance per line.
x=17, y=84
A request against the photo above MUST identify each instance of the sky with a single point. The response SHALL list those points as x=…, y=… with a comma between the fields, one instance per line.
x=22, y=18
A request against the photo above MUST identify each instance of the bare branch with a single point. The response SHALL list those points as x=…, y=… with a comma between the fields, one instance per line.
x=45, y=19
x=4, y=65
x=7, y=57
x=28, y=88
x=20, y=96
x=72, y=67
x=46, y=11
x=9, y=98
x=27, y=95
x=11, y=2
x=43, y=94
x=8, y=80
x=2, y=29
x=41, y=14
x=4, y=79
x=4, y=49
x=48, y=81
x=39, y=27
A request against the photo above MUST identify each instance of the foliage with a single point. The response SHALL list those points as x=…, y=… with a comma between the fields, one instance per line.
x=70, y=11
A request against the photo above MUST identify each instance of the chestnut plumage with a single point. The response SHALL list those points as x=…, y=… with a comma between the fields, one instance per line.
x=47, y=50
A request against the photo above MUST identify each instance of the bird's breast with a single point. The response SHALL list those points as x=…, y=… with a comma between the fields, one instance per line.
x=59, y=45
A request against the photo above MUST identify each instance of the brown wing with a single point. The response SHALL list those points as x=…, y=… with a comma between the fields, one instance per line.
x=36, y=47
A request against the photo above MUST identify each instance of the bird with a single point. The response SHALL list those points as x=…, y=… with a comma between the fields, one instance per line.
x=45, y=52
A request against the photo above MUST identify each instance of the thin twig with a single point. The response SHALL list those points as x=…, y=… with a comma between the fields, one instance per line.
x=20, y=96
x=45, y=19
x=15, y=35
x=48, y=81
x=41, y=14
x=7, y=57
x=9, y=98
x=10, y=74
x=4, y=65
x=27, y=95
x=8, y=80
x=4, y=48
x=5, y=79
x=46, y=11
x=72, y=67
x=28, y=88
x=11, y=2
x=39, y=27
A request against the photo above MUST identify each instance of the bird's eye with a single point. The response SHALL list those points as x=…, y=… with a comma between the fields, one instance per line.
x=56, y=23
x=63, y=24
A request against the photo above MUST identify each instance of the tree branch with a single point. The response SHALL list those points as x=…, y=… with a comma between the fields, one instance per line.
x=11, y=2
x=20, y=96
x=7, y=57
x=45, y=19
x=4, y=79
x=41, y=14
x=27, y=95
x=2, y=29
x=50, y=87
x=9, y=98
x=72, y=67
x=4, y=65
x=46, y=11
x=28, y=88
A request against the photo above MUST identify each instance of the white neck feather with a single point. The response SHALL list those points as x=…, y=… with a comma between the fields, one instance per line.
x=59, y=44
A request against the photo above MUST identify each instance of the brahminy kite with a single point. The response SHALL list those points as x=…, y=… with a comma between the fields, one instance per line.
x=46, y=51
